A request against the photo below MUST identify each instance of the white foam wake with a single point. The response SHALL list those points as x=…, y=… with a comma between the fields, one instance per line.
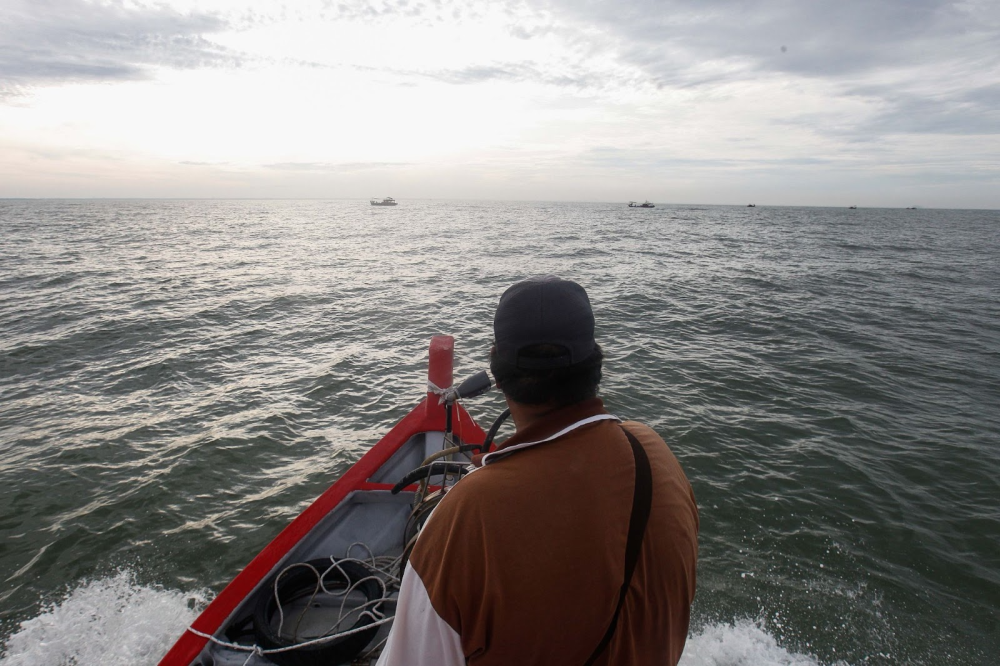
x=743, y=643
x=108, y=622
x=116, y=622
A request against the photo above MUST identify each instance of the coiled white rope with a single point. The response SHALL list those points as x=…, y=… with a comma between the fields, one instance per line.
x=384, y=566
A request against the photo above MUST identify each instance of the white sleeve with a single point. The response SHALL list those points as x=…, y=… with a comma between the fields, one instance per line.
x=419, y=637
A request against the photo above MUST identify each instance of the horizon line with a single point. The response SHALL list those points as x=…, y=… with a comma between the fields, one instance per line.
x=616, y=202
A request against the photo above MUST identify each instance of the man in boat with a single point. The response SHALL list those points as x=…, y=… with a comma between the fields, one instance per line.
x=575, y=542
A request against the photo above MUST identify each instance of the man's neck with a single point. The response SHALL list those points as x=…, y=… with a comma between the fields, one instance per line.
x=526, y=415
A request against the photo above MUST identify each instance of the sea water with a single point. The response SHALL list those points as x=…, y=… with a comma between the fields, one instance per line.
x=179, y=379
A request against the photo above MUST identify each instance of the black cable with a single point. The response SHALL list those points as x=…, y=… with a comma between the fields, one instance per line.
x=493, y=430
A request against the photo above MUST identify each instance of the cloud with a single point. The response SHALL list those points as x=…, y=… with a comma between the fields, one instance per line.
x=329, y=167
x=59, y=41
x=374, y=10
x=905, y=57
x=667, y=44
x=653, y=161
x=516, y=72
x=819, y=38
x=973, y=111
x=682, y=89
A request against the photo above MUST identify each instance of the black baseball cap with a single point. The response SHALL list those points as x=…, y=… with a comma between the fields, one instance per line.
x=544, y=310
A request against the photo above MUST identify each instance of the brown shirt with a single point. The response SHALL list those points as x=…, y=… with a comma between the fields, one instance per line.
x=524, y=558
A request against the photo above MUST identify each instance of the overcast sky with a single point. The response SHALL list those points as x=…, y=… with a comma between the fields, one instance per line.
x=812, y=102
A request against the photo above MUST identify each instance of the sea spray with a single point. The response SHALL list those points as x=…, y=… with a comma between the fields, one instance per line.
x=743, y=643
x=117, y=622
x=112, y=622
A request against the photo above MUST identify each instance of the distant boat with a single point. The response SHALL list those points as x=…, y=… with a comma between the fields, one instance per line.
x=388, y=201
x=751, y=205
x=853, y=207
x=644, y=204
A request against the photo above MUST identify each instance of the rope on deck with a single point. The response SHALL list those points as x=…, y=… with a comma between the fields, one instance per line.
x=384, y=568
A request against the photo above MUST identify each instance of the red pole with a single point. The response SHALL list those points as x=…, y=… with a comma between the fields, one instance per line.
x=439, y=367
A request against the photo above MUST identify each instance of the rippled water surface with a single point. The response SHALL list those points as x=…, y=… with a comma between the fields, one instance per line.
x=178, y=379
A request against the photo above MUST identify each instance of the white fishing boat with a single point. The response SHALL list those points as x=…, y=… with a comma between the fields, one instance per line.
x=323, y=591
x=388, y=201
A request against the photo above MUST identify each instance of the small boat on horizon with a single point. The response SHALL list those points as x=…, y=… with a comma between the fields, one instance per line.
x=644, y=204
x=388, y=201
x=751, y=205
x=853, y=207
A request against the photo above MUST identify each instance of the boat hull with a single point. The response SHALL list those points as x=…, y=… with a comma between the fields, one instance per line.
x=358, y=508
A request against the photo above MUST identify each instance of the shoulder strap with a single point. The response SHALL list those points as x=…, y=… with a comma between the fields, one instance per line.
x=642, y=498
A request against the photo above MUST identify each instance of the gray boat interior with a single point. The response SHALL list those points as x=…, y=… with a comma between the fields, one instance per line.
x=375, y=518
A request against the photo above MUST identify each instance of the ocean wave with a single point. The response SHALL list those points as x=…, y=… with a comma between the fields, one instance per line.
x=116, y=621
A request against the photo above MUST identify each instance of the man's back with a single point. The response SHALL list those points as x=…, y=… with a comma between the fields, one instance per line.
x=524, y=558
